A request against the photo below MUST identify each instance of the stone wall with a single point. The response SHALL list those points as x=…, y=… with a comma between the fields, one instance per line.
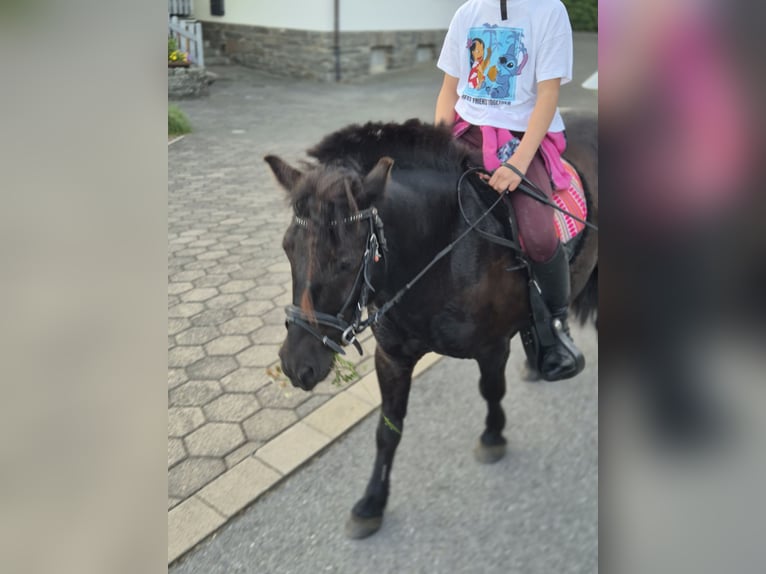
x=309, y=54
x=189, y=82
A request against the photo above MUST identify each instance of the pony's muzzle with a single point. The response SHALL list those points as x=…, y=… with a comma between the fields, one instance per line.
x=305, y=365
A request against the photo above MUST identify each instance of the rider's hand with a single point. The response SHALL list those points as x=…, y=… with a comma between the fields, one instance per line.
x=503, y=179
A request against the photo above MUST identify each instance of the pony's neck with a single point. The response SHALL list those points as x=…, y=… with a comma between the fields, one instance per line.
x=418, y=214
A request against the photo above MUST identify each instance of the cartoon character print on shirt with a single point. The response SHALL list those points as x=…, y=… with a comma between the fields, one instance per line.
x=497, y=55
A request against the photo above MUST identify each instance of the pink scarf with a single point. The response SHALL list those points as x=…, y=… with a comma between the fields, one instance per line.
x=551, y=148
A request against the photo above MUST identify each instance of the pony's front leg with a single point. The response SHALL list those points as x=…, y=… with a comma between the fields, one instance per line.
x=394, y=379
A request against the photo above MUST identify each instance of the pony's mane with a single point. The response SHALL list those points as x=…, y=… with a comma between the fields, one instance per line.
x=412, y=144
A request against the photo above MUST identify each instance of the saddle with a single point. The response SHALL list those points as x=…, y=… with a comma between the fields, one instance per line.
x=569, y=231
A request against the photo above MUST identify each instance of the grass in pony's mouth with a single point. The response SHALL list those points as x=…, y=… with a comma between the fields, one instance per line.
x=343, y=372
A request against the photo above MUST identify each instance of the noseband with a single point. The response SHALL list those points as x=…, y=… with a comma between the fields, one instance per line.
x=375, y=242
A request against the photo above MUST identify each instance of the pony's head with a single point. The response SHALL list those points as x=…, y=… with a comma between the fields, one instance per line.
x=325, y=244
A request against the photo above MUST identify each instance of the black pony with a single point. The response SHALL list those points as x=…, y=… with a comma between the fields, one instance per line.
x=370, y=216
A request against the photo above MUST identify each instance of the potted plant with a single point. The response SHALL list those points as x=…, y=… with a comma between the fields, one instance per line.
x=176, y=58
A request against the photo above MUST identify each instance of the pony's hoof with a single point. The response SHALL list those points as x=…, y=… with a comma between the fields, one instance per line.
x=489, y=454
x=529, y=374
x=358, y=528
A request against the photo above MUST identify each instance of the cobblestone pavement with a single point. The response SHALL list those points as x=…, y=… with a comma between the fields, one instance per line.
x=228, y=277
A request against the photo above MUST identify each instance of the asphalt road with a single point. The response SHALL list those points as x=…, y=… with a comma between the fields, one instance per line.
x=535, y=511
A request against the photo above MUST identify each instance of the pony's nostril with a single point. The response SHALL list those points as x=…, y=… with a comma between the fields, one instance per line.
x=306, y=374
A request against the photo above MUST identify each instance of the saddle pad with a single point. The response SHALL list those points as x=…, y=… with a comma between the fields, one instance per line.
x=573, y=200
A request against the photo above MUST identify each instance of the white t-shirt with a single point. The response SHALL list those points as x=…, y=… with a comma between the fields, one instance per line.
x=498, y=62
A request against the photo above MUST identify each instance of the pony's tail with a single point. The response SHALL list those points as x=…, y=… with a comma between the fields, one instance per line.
x=585, y=305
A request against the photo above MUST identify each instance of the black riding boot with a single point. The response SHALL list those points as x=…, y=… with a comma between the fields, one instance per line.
x=563, y=359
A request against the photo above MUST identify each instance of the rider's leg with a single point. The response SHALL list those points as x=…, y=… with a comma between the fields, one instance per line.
x=550, y=269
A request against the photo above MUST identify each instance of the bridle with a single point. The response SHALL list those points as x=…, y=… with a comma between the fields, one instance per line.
x=375, y=242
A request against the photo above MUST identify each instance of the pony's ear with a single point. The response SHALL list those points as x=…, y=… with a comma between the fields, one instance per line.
x=286, y=175
x=375, y=182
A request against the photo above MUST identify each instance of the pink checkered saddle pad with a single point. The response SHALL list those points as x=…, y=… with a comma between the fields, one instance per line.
x=573, y=200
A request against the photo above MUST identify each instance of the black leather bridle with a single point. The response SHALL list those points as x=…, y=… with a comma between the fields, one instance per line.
x=376, y=241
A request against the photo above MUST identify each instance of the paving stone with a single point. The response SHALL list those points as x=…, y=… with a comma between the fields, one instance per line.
x=274, y=317
x=176, y=451
x=292, y=448
x=175, y=326
x=274, y=279
x=197, y=265
x=212, y=255
x=281, y=267
x=183, y=420
x=203, y=243
x=188, y=524
x=197, y=295
x=228, y=268
x=195, y=393
x=236, y=286
x=241, y=325
x=176, y=377
x=197, y=335
x=191, y=474
x=245, y=380
x=366, y=366
x=211, y=280
x=253, y=308
x=231, y=407
x=314, y=402
x=282, y=397
x=172, y=502
x=184, y=356
x=225, y=301
x=269, y=334
x=267, y=423
x=241, y=453
x=283, y=300
x=173, y=300
x=339, y=414
x=212, y=317
x=189, y=252
x=247, y=273
x=238, y=487
x=328, y=387
x=259, y=356
x=212, y=368
x=187, y=275
x=185, y=310
x=181, y=241
x=214, y=439
x=178, y=288
x=265, y=291
x=227, y=345
x=183, y=261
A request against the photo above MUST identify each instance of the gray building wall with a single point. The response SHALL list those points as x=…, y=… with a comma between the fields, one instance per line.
x=311, y=54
